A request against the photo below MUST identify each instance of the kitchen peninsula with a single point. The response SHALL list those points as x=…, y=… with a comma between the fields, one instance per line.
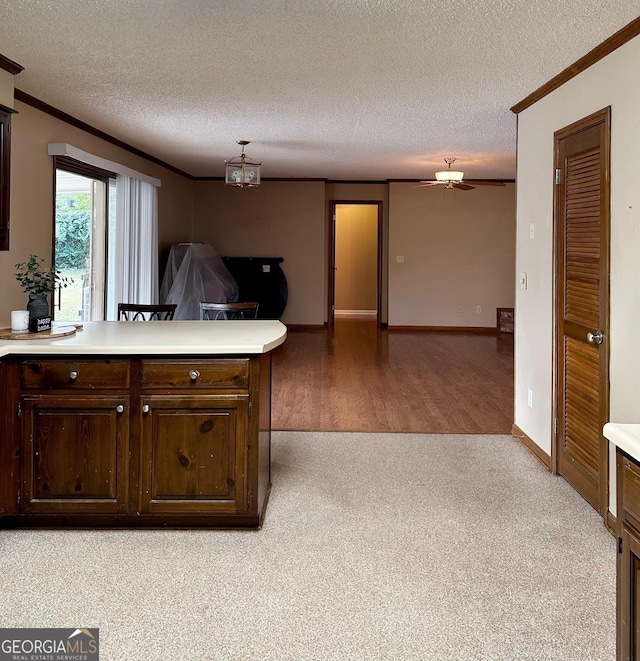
x=626, y=438
x=138, y=424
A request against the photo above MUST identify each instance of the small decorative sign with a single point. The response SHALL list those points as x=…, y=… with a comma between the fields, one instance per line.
x=38, y=324
x=506, y=320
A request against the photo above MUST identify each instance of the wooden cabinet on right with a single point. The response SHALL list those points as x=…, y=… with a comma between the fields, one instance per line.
x=628, y=569
x=194, y=454
x=194, y=428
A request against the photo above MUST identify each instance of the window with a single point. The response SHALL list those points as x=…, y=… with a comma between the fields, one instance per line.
x=83, y=210
x=106, y=235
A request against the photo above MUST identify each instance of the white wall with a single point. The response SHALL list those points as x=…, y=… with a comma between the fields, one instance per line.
x=32, y=193
x=612, y=81
x=458, y=250
x=277, y=219
x=459, y=245
x=6, y=88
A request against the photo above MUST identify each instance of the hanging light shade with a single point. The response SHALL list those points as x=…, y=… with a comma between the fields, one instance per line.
x=242, y=171
x=449, y=175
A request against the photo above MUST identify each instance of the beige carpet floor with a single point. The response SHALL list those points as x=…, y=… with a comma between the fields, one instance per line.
x=375, y=546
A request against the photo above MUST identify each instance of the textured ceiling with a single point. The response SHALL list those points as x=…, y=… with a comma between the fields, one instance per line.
x=343, y=89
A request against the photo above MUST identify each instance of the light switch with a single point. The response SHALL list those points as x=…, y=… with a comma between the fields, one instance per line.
x=523, y=281
x=532, y=230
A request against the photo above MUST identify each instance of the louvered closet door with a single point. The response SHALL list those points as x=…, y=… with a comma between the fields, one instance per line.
x=582, y=225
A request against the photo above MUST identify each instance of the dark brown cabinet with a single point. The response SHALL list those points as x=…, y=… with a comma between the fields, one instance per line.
x=75, y=453
x=628, y=569
x=194, y=455
x=137, y=441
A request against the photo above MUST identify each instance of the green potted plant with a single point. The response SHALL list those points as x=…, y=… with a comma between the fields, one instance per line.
x=39, y=281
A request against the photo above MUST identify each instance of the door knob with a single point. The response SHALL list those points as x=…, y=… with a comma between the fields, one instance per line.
x=146, y=408
x=119, y=408
x=595, y=338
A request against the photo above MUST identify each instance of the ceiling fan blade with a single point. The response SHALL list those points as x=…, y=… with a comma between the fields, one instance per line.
x=463, y=186
x=484, y=182
x=428, y=183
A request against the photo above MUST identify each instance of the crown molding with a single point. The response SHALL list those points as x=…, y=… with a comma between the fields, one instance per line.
x=32, y=101
x=10, y=66
x=607, y=47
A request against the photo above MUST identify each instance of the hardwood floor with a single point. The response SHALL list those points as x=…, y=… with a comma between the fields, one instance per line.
x=355, y=377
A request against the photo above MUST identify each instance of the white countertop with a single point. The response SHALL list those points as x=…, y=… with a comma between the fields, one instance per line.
x=157, y=337
x=624, y=436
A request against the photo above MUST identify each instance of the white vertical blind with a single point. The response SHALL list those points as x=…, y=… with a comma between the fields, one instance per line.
x=134, y=245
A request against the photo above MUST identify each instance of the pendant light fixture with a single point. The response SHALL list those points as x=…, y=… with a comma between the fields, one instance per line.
x=242, y=171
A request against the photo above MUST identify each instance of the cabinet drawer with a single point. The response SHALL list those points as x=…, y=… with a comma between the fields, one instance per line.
x=631, y=487
x=209, y=374
x=76, y=375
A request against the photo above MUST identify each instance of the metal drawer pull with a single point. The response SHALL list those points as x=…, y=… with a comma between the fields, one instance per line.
x=120, y=408
x=194, y=374
x=146, y=408
x=73, y=375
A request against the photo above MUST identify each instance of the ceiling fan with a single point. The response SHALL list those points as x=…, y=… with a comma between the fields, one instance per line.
x=453, y=179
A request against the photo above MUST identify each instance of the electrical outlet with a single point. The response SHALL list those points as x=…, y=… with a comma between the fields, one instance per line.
x=400, y=259
x=479, y=309
x=530, y=398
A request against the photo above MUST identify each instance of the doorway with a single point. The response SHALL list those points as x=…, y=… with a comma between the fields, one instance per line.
x=83, y=220
x=355, y=260
x=581, y=372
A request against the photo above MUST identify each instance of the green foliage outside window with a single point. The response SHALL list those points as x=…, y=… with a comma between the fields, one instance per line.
x=73, y=230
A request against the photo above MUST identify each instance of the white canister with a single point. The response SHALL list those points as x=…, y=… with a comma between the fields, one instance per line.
x=19, y=321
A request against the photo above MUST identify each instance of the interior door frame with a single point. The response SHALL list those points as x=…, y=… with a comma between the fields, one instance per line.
x=600, y=117
x=94, y=173
x=331, y=258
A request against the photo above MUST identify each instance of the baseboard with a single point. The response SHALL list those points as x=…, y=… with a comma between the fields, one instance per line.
x=305, y=327
x=612, y=523
x=533, y=447
x=477, y=330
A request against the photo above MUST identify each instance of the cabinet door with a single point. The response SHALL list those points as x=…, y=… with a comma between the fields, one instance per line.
x=629, y=596
x=194, y=454
x=76, y=453
x=10, y=443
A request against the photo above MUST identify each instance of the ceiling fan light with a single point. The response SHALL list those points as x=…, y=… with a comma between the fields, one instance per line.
x=449, y=175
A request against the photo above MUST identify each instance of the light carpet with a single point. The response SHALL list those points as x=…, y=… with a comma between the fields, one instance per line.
x=375, y=546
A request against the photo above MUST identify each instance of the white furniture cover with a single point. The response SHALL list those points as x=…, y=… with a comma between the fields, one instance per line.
x=195, y=272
